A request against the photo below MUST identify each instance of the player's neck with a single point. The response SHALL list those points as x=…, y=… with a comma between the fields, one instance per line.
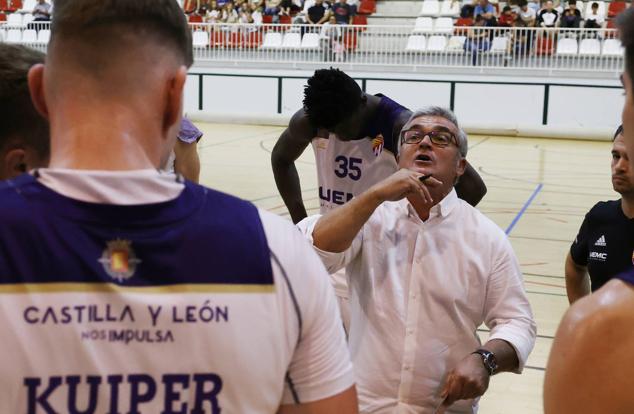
x=627, y=205
x=106, y=138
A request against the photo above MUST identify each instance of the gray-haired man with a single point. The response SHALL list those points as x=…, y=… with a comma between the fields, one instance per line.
x=425, y=270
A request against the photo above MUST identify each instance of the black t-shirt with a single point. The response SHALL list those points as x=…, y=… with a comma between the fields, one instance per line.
x=316, y=12
x=605, y=243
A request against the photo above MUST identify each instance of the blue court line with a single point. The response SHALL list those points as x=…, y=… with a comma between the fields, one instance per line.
x=523, y=210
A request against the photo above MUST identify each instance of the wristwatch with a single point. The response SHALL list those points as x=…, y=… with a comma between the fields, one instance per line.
x=488, y=360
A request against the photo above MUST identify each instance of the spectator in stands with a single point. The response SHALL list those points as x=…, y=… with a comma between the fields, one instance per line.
x=256, y=13
x=229, y=14
x=42, y=11
x=548, y=17
x=468, y=6
x=344, y=13
x=477, y=39
x=272, y=8
x=24, y=141
x=571, y=17
x=521, y=40
x=527, y=14
x=507, y=17
x=317, y=14
x=593, y=19
x=214, y=12
x=331, y=36
x=487, y=11
x=244, y=15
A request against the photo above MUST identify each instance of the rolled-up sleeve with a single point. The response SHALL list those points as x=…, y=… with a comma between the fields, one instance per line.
x=507, y=311
x=332, y=261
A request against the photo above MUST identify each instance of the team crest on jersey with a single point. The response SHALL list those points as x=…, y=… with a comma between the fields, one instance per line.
x=119, y=260
x=377, y=145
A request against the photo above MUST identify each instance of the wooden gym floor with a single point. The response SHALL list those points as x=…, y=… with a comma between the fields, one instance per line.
x=539, y=192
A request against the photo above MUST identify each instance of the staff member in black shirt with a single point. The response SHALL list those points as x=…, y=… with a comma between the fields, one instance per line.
x=604, y=246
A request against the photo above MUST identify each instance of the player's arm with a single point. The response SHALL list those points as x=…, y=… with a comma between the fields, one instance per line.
x=590, y=364
x=290, y=145
x=187, y=162
x=577, y=280
x=471, y=187
x=336, y=230
x=345, y=403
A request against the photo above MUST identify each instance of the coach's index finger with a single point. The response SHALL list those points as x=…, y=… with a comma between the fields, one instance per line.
x=429, y=180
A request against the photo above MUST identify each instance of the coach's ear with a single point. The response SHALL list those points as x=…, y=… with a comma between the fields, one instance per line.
x=36, y=87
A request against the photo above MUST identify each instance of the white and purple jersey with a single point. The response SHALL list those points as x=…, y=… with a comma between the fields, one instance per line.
x=130, y=292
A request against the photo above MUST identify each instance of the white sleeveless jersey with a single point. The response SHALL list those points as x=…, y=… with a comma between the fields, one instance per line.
x=346, y=169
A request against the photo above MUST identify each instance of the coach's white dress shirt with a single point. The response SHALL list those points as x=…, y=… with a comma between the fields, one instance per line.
x=419, y=290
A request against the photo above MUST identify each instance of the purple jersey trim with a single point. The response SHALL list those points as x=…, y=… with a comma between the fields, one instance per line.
x=188, y=133
x=627, y=276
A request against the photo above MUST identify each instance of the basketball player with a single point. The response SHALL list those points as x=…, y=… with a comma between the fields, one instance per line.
x=23, y=132
x=603, y=248
x=123, y=289
x=591, y=363
x=354, y=137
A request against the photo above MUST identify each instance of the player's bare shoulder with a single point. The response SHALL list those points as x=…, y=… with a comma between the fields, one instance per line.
x=301, y=129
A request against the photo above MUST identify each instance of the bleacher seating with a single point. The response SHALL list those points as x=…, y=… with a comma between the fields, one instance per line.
x=456, y=44
x=416, y=43
x=200, y=39
x=443, y=25
x=616, y=7
x=272, y=40
x=28, y=6
x=310, y=41
x=14, y=20
x=567, y=47
x=430, y=8
x=450, y=8
x=612, y=48
x=424, y=25
x=3, y=35
x=436, y=43
x=27, y=18
x=292, y=40
x=590, y=47
x=43, y=36
x=29, y=36
x=499, y=45
x=14, y=36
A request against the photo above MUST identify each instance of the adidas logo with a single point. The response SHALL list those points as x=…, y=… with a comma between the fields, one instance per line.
x=600, y=242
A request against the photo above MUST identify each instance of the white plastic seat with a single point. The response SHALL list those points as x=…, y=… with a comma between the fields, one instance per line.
x=443, y=25
x=499, y=44
x=310, y=41
x=456, y=44
x=292, y=41
x=436, y=43
x=430, y=8
x=29, y=36
x=612, y=48
x=272, y=40
x=43, y=36
x=14, y=20
x=14, y=36
x=424, y=25
x=590, y=47
x=581, y=6
x=200, y=39
x=450, y=8
x=28, y=6
x=27, y=18
x=567, y=47
x=416, y=43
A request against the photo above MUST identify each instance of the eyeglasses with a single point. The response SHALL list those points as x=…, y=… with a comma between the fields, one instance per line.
x=438, y=138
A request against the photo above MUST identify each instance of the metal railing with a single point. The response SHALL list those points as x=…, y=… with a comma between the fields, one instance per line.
x=546, y=51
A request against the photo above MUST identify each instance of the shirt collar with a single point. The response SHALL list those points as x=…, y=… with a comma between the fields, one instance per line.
x=442, y=209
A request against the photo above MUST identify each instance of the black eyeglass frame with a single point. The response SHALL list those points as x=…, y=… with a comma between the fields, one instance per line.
x=433, y=137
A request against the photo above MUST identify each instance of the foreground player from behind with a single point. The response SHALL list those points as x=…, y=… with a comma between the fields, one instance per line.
x=591, y=363
x=125, y=290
